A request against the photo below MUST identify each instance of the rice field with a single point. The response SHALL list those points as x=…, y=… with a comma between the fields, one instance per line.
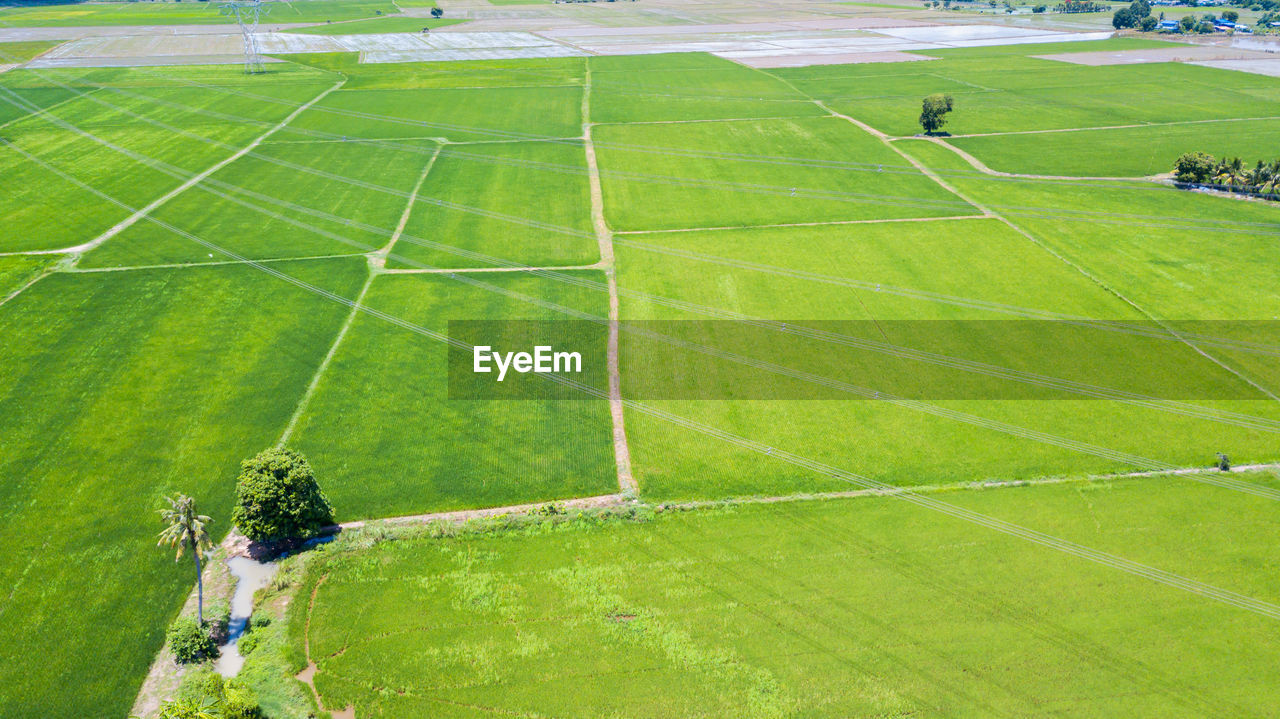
x=199, y=264
x=1135, y=151
x=757, y=172
x=414, y=449
x=378, y=25
x=174, y=12
x=1009, y=89
x=864, y=607
x=112, y=398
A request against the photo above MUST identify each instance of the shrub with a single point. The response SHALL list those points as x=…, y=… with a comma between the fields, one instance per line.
x=240, y=704
x=1194, y=167
x=201, y=685
x=551, y=509
x=218, y=619
x=188, y=710
x=277, y=497
x=251, y=637
x=248, y=643
x=205, y=694
x=1147, y=24
x=190, y=642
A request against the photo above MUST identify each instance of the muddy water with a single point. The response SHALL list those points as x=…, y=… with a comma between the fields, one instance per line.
x=1265, y=43
x=250, y=577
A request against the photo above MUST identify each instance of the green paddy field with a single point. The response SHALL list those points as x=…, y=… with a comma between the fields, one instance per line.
x=199, y=264
x=176, y=12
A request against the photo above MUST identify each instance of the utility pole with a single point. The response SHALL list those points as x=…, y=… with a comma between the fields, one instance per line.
x=246, y=13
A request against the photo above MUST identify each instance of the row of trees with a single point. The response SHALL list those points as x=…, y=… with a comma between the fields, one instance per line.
x=1138, y=15
x=1202, y=169
x=1074, y=6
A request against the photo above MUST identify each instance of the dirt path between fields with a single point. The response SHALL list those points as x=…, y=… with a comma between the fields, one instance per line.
x=1116, y=127
x=27, y=285
x=378, y=258
x=980, y=166
x=992, y=484
x=608, y=262
x=308, y=676
x=807, y=224
x=472, y=270
x=464, y=515
x=194, y=180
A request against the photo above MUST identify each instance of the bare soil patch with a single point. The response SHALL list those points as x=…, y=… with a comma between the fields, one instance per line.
x=1185, y=53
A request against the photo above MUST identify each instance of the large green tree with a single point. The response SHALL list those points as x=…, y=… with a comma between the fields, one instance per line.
x=1194, y=167
x=933, y=112
x=1123, y=18
x=277, y=497
x=185, y=530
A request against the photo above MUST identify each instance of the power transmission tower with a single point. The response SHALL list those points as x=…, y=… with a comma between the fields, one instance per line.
x=246, y=13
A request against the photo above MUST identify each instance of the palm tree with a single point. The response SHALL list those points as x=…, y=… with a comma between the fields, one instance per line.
x=1225, y=174
x=1257, y=177
x=1236, y=169
x=184, y=529
x=206, y=708
x=1272, y=185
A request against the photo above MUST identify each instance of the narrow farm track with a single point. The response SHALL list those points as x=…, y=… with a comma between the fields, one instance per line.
x=925, y=169
x=976, y=486
x=305, y=401
x=465, y=515
x=481, y=270
x=980, y=166
x=1117, y=127
x=829, y=223
x=608, y=262
x=194, y=180
x=308, y=676
x=378, y=260
x=606, y=501
x=196, y=265
x=25, y=286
